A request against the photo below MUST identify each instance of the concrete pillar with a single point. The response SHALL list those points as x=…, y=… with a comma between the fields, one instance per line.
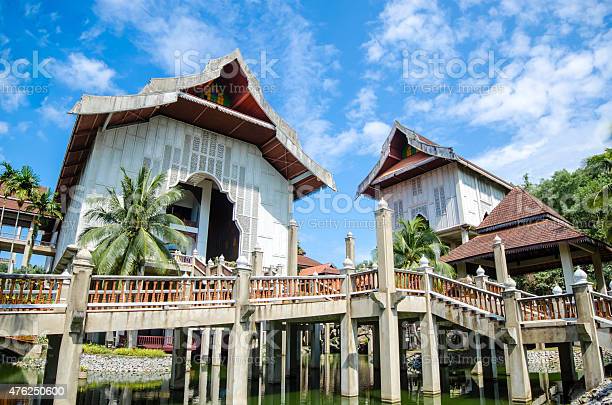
x=326, y=341
x=349, y=246
x=388, y=334
x=478, y=367
x=292, y=269
x=293, y=354
x=591, y=357
x=568, y=368
x=66, y=351
x=599, y=274
x=273, y=351
x=215, y=369
x=568, y=267
x=429, y=340
x=204, y=219
x=516, y=358
x=27, y=250
x=204, y=362
x=315, y=346
x=489, y=359
x=257, y=260
x=349, y=357
x=240, y=338
x=499, y=253
x=465, y=236
x=461, y=270
x=179, y=358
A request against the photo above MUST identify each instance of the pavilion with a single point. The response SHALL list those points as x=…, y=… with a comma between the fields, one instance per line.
x=535, y=238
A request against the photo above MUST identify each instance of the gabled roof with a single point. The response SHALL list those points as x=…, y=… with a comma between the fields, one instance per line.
x=529, y=230
x=517, y=207
x=305, y=261
x=320, y=269
x=249, y=118
x=392, y=167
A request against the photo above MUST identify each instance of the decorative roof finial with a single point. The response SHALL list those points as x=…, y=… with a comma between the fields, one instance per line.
x=480, y=271
x=557, y=290
x=580, y=277
x=423, y=261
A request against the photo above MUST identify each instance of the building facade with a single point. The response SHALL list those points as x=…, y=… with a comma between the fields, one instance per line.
x=213, y=135
x=419, y=177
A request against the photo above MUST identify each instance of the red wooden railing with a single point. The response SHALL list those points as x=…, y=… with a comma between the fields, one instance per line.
x=144, y=292
x=547, y=307
x=281, y=288
x=602, y=304
x=408, y=280
x=468, y=294
x=31, y=292
x=160, y=342
x=364, y=282
x=494, y=287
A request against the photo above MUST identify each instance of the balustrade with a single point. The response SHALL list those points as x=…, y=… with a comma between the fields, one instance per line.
x=143, y=292
x=283, y=288
x=31, y=292
x=364, y=282
x=602, y=305
x=547, y=307
x=485, y=300
x=408, y=280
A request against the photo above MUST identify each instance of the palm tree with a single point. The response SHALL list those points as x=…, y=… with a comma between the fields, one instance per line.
x=134, y=228
x=7, y=174
x=22, y=186
x=45, y=207
x=416, y=239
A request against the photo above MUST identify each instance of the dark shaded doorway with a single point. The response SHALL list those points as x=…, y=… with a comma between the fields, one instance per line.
x=223, y=234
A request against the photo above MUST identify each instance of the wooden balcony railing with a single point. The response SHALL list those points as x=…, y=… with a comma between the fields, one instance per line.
x=408, y=280
x=145, y=292
x=602, y=304
x=288, y=288
x=468, y=294
x=364, y=282
x=31, y=292
x=494, y=287
x=547, y=307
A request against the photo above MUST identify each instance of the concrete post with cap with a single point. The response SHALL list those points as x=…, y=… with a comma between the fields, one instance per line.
x=349, y=357
x=240, y=337
x=516, y=356
x=591, y=356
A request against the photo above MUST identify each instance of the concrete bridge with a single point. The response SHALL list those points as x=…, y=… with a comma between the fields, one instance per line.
x=66, y=307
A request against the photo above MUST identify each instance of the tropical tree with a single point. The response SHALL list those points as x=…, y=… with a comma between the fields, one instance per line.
x=8, y=173
x=133, y=228
x=415, y=239
x=21, y=185
x=45, y=207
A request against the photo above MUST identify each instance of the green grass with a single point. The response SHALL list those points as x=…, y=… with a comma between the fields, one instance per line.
x=89, y=348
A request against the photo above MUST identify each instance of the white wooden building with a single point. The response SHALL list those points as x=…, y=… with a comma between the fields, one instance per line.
x=213, y=134
x=418, y=177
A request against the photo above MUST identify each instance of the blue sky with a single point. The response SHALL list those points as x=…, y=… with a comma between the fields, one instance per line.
x=517, y=86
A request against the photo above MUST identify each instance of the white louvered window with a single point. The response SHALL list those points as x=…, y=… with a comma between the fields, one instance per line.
x=417, y=187
x=440, y=201
x=398, y=212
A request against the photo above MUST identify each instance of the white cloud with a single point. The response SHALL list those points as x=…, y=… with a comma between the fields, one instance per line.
x=4, y=127
x=177, y=41
x=363, y=106
x=54, y=114
x=409, y=25
x=81, y=73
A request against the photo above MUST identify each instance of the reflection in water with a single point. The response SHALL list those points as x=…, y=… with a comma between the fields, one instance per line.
x=313, y=386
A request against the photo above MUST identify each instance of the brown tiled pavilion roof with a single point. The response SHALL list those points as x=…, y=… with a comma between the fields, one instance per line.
x=305, y=261
x=531, y=236
x=321, y=269
x=517, y=207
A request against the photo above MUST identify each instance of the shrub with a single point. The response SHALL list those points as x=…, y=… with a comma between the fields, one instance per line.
x=138, y=352
x=90, y=348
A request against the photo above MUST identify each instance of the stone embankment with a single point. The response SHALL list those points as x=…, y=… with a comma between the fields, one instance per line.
x=125, y=368
x=600, y=395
